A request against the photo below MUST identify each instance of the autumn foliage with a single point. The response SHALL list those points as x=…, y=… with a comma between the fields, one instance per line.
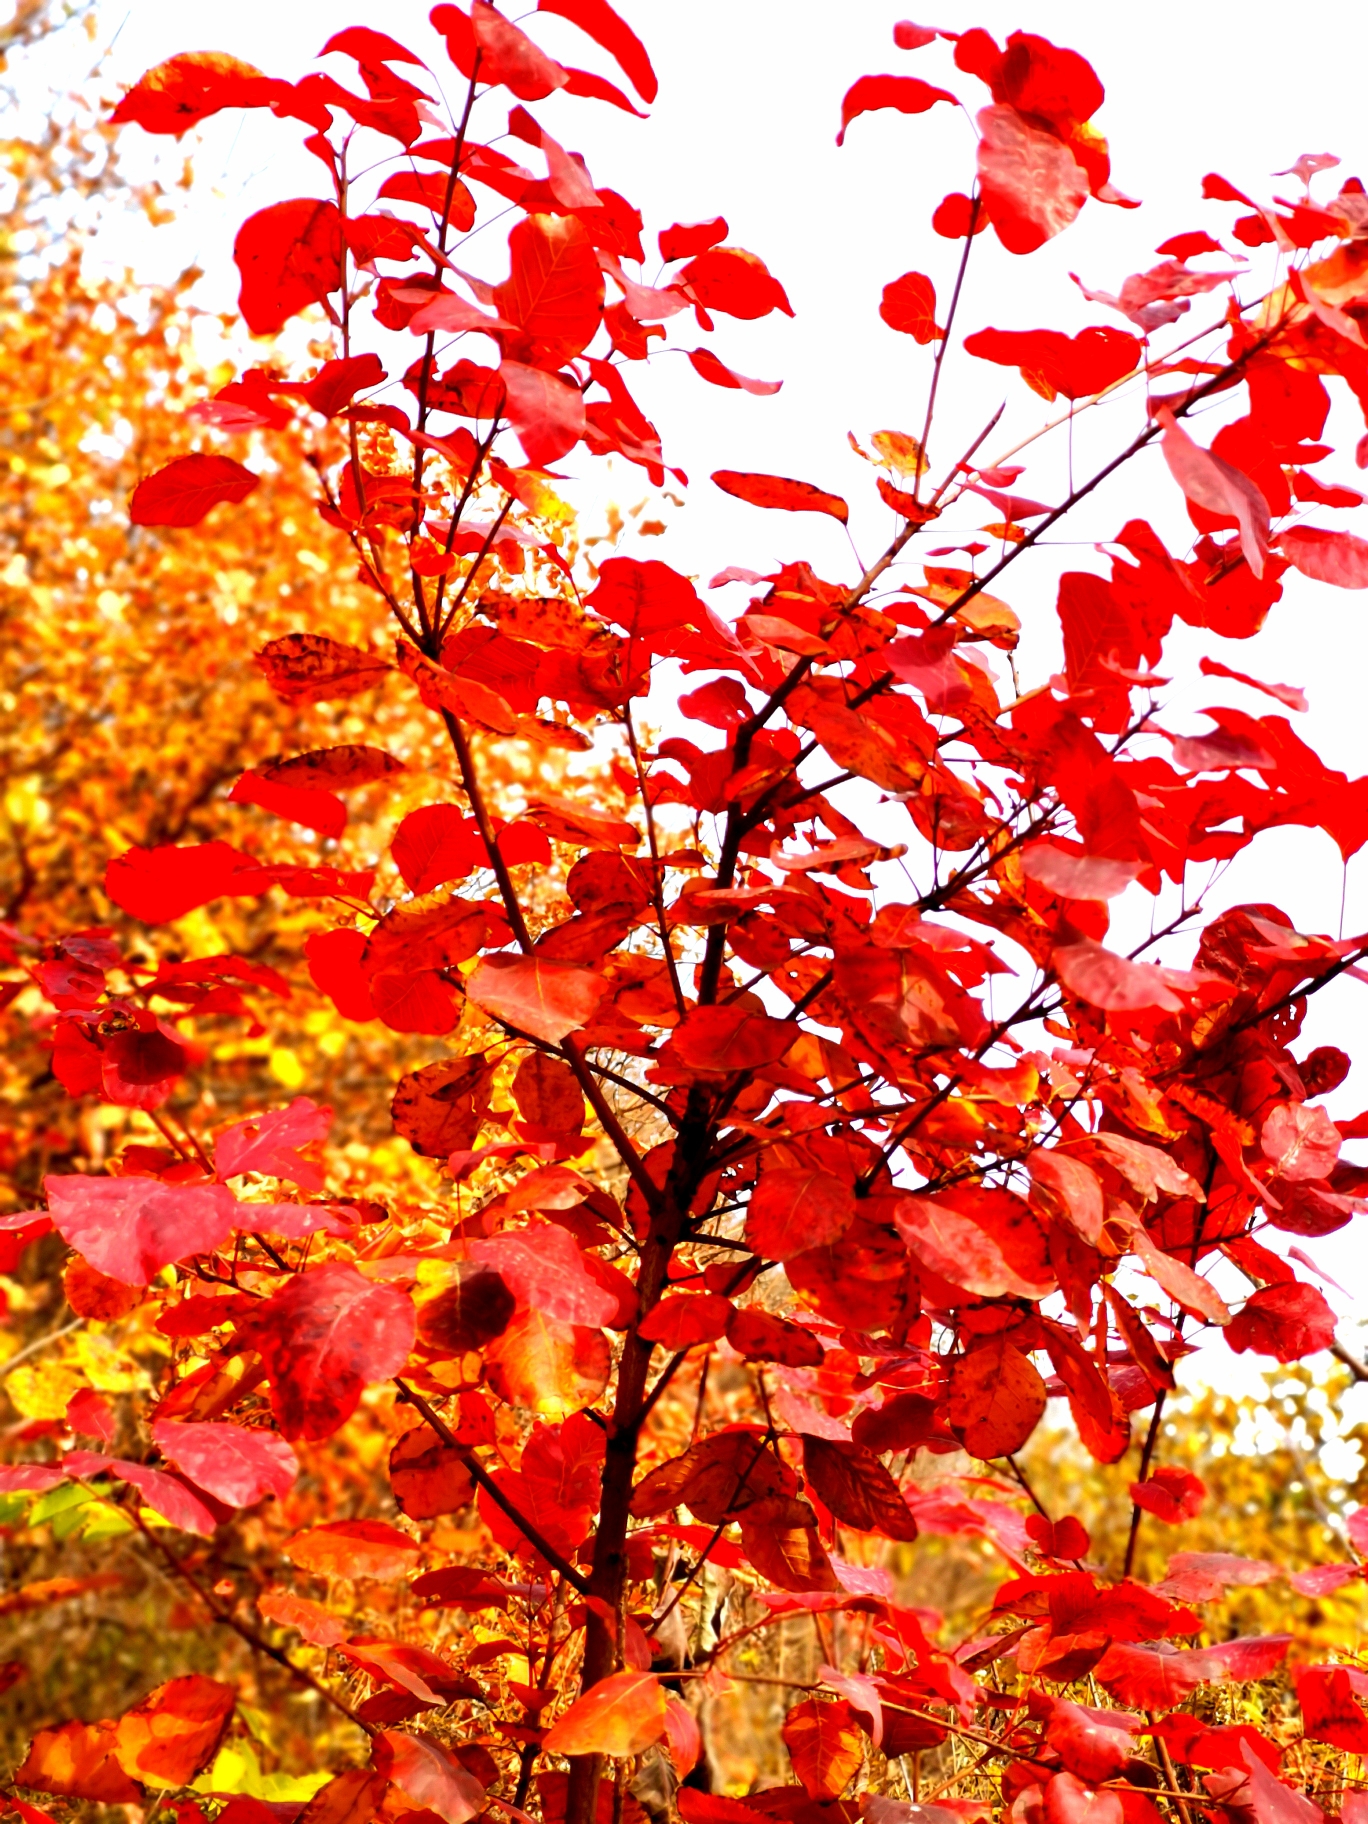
x=720, y=1193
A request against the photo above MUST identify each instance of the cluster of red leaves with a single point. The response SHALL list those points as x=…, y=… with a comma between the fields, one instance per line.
x=973, y=1220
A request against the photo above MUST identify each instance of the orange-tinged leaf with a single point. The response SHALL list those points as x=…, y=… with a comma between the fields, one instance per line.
x=310, y=668
x=174, y=1731
x=354, y=1797
x=354, y=1548
x=825, y=1744
x=428, y=1477
x=186, y=89
x=429, y=1774
x=997, y=1398
x=539, y=996
x=184, y=491
x=77, y=1761
x=316, y=1623
x=779, y=491
x=619, y=1716
x=552, y=1368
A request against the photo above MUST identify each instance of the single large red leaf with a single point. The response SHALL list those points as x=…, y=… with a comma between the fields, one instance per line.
x=620, y=1716
x=953, y=1245
x=778, y=491
x=161, y=884
x=1032, y=187
x=826, y=1745
x=736, y=282
x=235, y=1465
x=310, y=668
x=1172, y=1495
x=797, y=1207
x=554, y=293
x=706, y=363
x=130, y=1228
x=1287, y=1322
x=165, y=1494
x=324, y=1337
x=546, y=411
x=997, y=1398
x=855, y=1485
x=908, y=94
x=184, y=491
x=1099, y=975
x=289, y=255
x=537, y=995
x=1069, y=1801
x=435, y=844
x=909, y=305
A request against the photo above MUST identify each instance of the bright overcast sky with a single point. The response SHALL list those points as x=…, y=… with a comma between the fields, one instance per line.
x=745, y=126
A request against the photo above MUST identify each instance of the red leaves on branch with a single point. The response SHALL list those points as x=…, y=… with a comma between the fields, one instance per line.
x=726, y=1203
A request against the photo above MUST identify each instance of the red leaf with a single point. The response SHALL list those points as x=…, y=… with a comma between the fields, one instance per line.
x=324, y=1337
x=130, y=1228
x=509, y=57
x=436, y=844
x=706, y=363
x=1287, y=1322
x=1327, y=557
x=554, y=293
x=544, y=1269
x=620, y=1716
x=1032, y=187
x=174, y=1731
x=335, y=968
x=319, y=811
x=910, y=37
x=1171, y=1495
x=233, y=1464
x=683, y=239
x=269, y=1144
x=546, y=411
x=161, y=884
x=598, y=21
x=1072, y=874
x=728, y=1038
x=1301, y=1142
x=186, y=89
x=1330, y=1712
x=683, y=1320
x=423, y=1770
x=309, y=668
x=1159, y=1678
x=997, y=1398
x=953, y=1245
x=778, y=491
x=795, y=1208
x=542, y=997
x=1093, y=1744
x=909, y=305
x=289, y=256
x=1051, y=362
x=908, y=94
x=1099, y=975
x=854, y=1484
x=1210, y=482
x=1069, y=1801
x=184, y=491
x=762, y=1337
x=737, y=283
x=825, y=1744
x=91, y=1414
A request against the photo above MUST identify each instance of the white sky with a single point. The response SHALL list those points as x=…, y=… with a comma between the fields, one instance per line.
x=745, y=126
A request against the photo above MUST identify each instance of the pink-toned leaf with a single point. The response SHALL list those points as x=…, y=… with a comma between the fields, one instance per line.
x=130, y=1228
x=1099, y=975
x=1327, y=557
x=1301, y=1142
x=270, y=1144
x=1210, y=482
x=235, y=1465
x=536, y=995
x=1031, y=185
